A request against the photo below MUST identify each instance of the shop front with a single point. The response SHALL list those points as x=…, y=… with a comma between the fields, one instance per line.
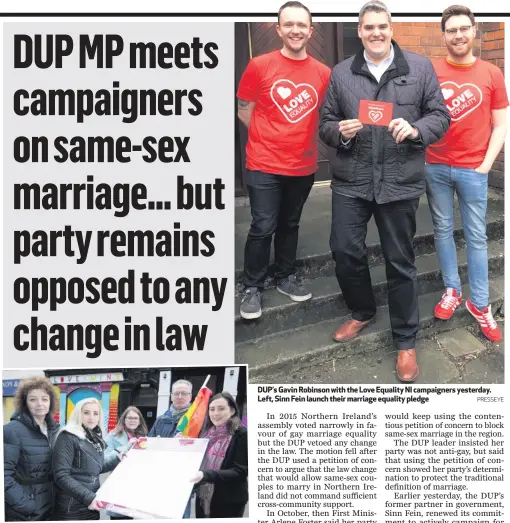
x=147, y=389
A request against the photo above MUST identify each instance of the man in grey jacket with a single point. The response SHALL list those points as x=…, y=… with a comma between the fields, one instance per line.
x=379, y=170
x=165, y=425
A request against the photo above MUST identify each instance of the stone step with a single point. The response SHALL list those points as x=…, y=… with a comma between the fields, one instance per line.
x=280, y=314
x=461, y=355
x=279, y=358
x=314, y=256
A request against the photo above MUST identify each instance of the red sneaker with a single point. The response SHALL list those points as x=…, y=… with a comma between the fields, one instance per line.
x=488, y=324
x=449, y=302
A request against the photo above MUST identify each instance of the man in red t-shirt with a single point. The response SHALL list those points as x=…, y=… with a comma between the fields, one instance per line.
x=476, y=97
x=279, y=96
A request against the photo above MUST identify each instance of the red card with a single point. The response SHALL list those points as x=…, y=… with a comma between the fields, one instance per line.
x=375, y=113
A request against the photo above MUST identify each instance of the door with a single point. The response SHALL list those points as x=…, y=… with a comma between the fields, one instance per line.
x=145, y=398
x=256, y=38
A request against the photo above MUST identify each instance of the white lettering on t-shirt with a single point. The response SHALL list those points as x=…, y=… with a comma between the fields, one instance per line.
x=461, y=99
x=294, y=101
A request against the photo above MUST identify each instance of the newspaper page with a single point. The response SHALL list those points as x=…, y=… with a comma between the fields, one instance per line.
x=381, y=453
x=331, y=172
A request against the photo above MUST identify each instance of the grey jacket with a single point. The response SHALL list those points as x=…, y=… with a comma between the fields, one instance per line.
x=372, y=166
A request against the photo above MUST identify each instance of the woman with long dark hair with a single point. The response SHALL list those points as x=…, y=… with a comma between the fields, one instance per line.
x=28, y=485
x=78, y=460
x=223, y=479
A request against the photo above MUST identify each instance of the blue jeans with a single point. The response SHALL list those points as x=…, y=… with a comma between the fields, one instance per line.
x=471, y=188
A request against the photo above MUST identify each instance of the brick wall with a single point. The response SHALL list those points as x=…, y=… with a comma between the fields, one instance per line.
x=493, y=41
x=425, y=38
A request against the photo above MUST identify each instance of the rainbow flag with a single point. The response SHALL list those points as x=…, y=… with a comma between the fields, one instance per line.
x=191, y=422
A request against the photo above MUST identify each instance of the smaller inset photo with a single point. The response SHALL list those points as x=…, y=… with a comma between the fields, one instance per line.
x=125, y=443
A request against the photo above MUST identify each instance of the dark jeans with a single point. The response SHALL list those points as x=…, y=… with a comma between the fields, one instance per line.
x=276, y=203
x=396, y=223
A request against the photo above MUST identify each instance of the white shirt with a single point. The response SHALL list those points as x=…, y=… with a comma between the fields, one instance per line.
x=379, y=69
x=44, y=429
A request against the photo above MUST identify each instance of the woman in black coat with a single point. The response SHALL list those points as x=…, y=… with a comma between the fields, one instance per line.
x=223, y=480
x=78, y=460
x=28, y=486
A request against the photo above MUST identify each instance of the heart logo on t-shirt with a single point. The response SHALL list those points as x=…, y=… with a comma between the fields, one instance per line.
x=284, y=92
x=447, y=93
x=299, y=100
x=462, y=100
x=375, y=116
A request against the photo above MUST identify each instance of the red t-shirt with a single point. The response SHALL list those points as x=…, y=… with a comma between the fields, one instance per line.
x=470, y=93
x=282, y=138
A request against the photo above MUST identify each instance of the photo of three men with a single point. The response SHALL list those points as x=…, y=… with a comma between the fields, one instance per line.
x=400, y=125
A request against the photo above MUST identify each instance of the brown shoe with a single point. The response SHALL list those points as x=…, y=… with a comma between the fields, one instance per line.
x=349, y=330
x=407, y=368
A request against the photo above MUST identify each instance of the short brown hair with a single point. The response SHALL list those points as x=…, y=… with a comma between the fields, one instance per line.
x=294, y=4
x=140, y=431
x=29, y=384
x=456, y=10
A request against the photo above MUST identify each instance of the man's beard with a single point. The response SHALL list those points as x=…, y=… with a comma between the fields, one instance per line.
x=460, y=51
